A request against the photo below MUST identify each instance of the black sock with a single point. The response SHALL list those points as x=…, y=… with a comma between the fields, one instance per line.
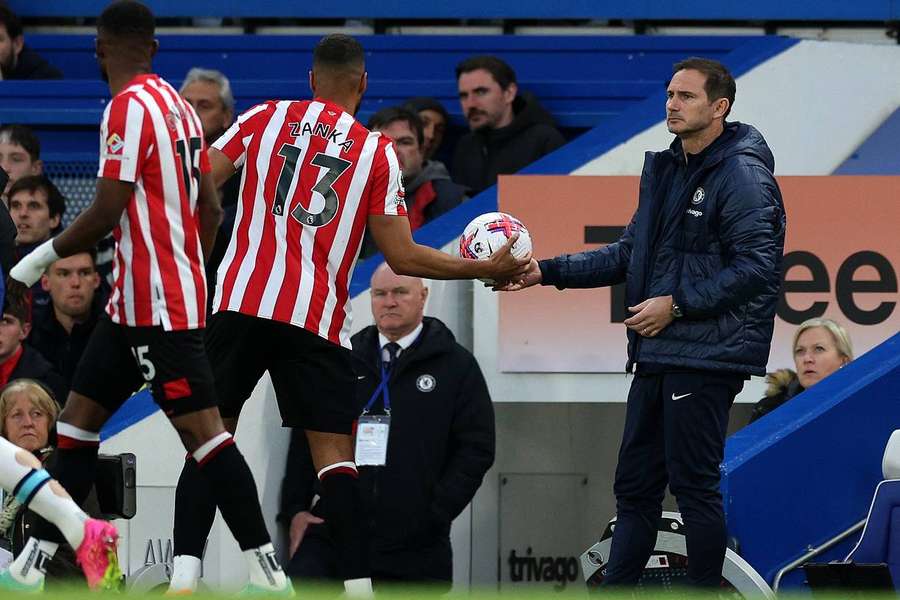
x=345, y=518
x=230, y=482
x=75, y=469
x=195, y=510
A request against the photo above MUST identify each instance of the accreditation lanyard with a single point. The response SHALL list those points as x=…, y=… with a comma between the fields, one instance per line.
x=382, y=388
x=372, y=431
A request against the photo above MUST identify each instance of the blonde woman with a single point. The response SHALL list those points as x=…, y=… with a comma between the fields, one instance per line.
x=28, y=416
x=27, y=419
x=821, y=347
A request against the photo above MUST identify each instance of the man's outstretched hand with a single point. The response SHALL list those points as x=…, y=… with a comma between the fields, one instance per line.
x=531, y=276
x=504, y=267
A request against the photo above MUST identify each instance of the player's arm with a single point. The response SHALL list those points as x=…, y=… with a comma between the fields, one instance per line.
x=92, y=225
x=95, y=222
x=222, y=167
x=406, y=257
x=210, y=209
x=594, y=268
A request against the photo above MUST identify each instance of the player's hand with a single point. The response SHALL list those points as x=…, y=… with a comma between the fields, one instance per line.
x=30, y=268
x=299, y=523
x=504, y=267
x=652, y=316
x=531, y=277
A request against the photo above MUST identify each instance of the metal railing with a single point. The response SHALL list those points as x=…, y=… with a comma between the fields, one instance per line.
x=813, y=552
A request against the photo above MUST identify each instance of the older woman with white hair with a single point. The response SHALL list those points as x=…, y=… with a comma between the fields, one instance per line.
x=821, y=347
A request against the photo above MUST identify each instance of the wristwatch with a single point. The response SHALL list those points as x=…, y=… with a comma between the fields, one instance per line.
x=676, y=310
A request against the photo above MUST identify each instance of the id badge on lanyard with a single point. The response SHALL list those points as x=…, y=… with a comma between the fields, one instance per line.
x=372, y=430
x=372, y=439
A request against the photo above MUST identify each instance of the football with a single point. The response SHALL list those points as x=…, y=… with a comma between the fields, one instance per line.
x=485, y=234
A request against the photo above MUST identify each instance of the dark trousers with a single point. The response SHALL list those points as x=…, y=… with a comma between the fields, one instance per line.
x=316, y=560
x=674, y=434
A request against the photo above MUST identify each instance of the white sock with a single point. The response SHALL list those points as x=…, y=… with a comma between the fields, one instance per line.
x=21, y=472
x=31, y=564
x=359, y=588
x=54, y=504
x=265, y=571
x=185, y=573
x=15, y=464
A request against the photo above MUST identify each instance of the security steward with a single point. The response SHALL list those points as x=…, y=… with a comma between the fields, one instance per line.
x=425, y=439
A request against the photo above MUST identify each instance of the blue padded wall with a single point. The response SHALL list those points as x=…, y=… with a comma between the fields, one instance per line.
x=877, y=155
x=807, y=471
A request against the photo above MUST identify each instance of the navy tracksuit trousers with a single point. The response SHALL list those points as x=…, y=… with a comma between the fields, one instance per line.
x=674, y=434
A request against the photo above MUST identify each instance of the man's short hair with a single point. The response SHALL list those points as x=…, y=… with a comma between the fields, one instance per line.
x=421, y=103
x=338, y=52
x=55, y=201
x=392, y=114
x=719, y=81
x=91, y=252
x=211, y=76
x=23, y=136
x=127, y=19
x=17, y=302
x=11, y=21
x=502, y=73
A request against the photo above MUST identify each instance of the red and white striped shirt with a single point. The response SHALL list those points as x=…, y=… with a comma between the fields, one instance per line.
x=151, y=137
x=312, y=176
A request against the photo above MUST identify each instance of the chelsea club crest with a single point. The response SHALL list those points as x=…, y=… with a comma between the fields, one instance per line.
x=699, y=196
x=425, y=383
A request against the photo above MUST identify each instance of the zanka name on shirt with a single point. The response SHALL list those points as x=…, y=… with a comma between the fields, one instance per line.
x=323, y=130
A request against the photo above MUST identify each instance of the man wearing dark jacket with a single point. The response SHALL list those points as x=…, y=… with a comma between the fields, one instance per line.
x=8, y=233
x=17, y=360
x=440, y=444
x=429, y=190
x=76, y=305
x=18, y=61
x=701, y=260
x=509, y=130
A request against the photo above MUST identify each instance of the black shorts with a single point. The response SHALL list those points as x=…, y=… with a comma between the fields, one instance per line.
x=313, y=378
x=118, y=360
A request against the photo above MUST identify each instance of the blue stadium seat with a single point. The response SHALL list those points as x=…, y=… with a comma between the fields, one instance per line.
x=582, y=80
x=880, y=539
x=586, y=82
x=696, y=10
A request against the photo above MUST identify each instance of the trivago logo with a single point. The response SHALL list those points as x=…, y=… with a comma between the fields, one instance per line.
x=558, y=569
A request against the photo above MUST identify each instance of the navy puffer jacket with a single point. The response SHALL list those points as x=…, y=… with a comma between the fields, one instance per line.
x=722, y=265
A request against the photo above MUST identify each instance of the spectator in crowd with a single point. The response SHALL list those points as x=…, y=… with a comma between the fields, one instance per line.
x=76, y=305
x=440, y=444
x=509, y=130
x=20, y=154
x=429, y=191
x=36, y=207
x=434, y=122
x=209, y=92
x=8, y=233
x=18, y=360
x=821, y=347
x=28, y=420
x=18, y=61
